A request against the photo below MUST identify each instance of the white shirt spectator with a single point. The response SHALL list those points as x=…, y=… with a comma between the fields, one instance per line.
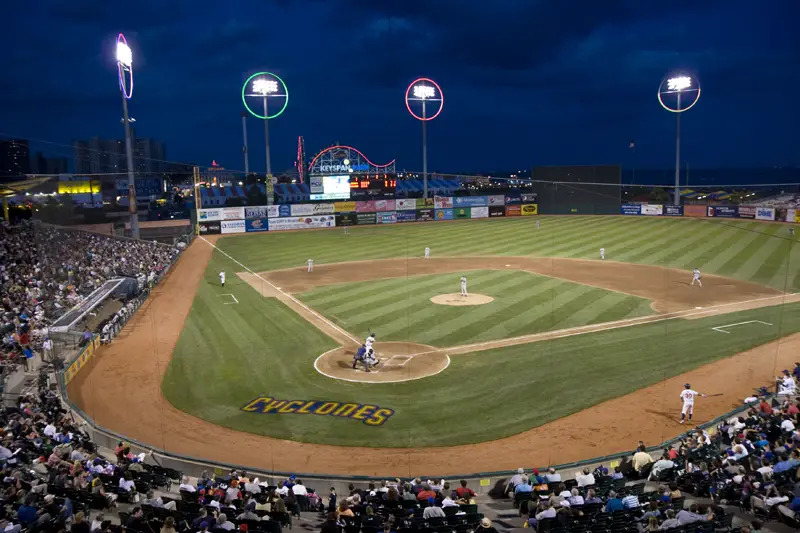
x=787, y=425
x=552, y=477
x=449, y=502
x=585, y=479
x=50, y=430
x=283, y=490
x=547, y=513
x=126, y=484
x=188, y=487
x=299, y=490
x=765, y=471
x=575, y=499
x=661, y=465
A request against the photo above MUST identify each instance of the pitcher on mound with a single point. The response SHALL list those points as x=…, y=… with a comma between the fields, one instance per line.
x=464, y=286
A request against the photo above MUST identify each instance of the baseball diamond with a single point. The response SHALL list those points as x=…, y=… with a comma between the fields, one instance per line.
x=577, y=337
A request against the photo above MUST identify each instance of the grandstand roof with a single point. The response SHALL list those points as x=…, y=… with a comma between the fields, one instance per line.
x=15, y=187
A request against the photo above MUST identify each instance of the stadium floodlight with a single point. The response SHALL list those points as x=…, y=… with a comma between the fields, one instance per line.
x=424, y=90
x=265, y=85
x=124, y=58
x=678, y=86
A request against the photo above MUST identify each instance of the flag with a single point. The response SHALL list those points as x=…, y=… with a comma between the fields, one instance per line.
x=632, y=145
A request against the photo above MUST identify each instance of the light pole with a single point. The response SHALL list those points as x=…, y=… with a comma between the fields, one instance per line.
x=265, y=85
x=424, y=90
x=244, y=147
x=125, y=75
x=678, y=85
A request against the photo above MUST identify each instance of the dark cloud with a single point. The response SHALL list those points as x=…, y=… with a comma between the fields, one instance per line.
x=526, y=82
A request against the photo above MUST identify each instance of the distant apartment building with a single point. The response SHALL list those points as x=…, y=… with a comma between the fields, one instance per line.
x=14, y=158
x=107, y=156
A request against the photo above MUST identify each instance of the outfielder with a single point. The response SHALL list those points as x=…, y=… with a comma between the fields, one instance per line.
x=602, y=254
x=538, y=223
x=687, y=396
x=696, y=277
x=464, y=286
x=222, y=278
x=310, y=265
x=427, y=252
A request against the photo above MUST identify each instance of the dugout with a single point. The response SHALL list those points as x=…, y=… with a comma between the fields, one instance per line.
x=578, y=190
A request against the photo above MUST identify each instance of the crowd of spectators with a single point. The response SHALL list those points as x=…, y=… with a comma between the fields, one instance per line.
x=44, y=271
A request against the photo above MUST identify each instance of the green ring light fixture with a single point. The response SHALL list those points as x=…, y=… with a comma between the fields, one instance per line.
x=268, y=75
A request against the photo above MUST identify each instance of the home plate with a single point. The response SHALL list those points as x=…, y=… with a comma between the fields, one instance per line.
x=698, y=307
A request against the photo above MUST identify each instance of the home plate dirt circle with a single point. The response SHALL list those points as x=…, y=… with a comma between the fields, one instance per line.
x=400, y=361
x=455, y=298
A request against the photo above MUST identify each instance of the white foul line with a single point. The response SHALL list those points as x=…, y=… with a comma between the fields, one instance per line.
x=235, y=301
x=289, y=296
x=721, y=330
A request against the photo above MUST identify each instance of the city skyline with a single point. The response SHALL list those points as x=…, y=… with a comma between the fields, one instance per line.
x=539, y=85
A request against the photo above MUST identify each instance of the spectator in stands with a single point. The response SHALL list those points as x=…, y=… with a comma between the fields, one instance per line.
x=585, y=478
x=79, y=524
x=614, y=503
x=552, y=476
x=524, y=486
x=516, y=479
x=431, y=511
x=169, y=525
x=630, y=501
x=670, y=522
x=249, y=512
x=486, y=526
x=463, y=491
x=591, y=497
x=223, y=523
x=157, y=502
x=448, y=501
x=425, y=494
x=344, y=510
x=641, y=459
x=617, y=473
x=662, y=465
x=575, y=498
x=688, y=516
x=330, y=526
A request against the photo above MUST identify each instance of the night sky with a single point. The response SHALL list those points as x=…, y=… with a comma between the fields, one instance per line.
x=525, y=82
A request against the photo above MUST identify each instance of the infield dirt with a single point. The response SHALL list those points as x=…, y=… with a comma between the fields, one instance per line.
x=121, y=389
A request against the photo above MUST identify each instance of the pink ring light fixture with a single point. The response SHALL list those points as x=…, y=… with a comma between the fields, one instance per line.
x=128, y=92
x=441, y=94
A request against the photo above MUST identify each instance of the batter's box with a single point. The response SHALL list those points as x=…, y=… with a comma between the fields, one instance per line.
x=399, y=360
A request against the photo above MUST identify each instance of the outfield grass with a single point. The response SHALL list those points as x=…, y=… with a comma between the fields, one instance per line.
x=400, y=309
x=229, y=354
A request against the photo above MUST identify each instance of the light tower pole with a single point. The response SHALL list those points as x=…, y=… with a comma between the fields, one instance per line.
x=424, y=90
x=678, y=85
x=125, y=74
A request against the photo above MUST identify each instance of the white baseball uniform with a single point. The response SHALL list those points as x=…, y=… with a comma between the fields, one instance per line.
x=427, y=252
x=222, y=278
x=696, y=277
x=602, y=253
x=310, y=265
x=787, y=385
x=368, y=343
x=537, y=223
x=463, y=285
x=688, y=395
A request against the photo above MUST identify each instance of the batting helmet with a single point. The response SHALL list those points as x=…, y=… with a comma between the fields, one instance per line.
x=688, y=386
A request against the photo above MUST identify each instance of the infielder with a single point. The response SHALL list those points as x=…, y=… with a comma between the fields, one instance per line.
x=786, y=384
x=687, y=396
x=427, y=252
x=696, y=277
x=222, y=278
x=463, y=286
x=310, y=265
x=602, y=254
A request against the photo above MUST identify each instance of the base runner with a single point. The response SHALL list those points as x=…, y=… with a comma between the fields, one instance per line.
x=687, y=396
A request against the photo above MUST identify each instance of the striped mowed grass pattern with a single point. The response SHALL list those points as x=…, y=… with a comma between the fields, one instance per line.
x=748, y=250
x=400, y=308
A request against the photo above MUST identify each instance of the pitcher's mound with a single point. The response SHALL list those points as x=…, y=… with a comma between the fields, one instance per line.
x=400, y=361
x=455, y=298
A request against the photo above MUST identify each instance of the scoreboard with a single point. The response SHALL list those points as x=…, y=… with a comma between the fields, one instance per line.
x=373, y=185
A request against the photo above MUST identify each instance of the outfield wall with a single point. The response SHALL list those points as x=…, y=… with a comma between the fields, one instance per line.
x=227, y=220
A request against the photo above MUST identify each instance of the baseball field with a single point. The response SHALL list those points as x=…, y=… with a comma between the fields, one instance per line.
x=552, y=343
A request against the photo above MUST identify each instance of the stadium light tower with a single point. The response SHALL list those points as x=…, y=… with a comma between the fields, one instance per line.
x=678, y=85
x=125, y=75
x=265, y=85
x=424, y=90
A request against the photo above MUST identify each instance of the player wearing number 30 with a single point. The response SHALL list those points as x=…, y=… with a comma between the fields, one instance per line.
x=696, y=277
x=688, y=395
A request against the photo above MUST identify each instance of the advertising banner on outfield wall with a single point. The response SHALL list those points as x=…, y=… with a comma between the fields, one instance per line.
x=797, y=216
x=344, y=207
x=673, y=210
x=258, y=211
x=232, y=213
x=513, y=198
x=309, y=222
x=527, y=198
x=513, y=210
x=461, y=212
x=406, y=216
x=652, y=209
x=747, y=211
x=302, y=209
x=347, y=219
x=726, y=211
x=386, y=217
x=631, y=209
x=497, y=211
x=694, y=210
x=256, y=224
x=284, y=210
x=232, y=226
x=424, y=215
x=479, y=212
x=529, y=209
x=365, y=218
x=497, y=199
x=404, y=204
x=384, y=205
x=208, y=215
x=425, y=203
x=324, y=209
x=790, y=215
x=470, y=201
x=210, y=228
x=365, y=207
x=444, y=214
x=442, y=202
x=765, y=213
